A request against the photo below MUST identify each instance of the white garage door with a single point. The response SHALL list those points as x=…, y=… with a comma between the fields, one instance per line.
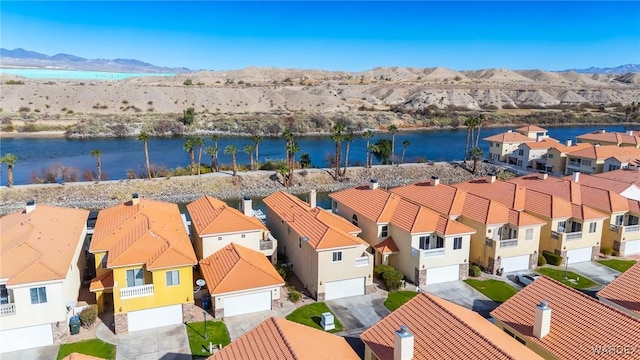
x=632, y=247
x=579, y=255
x=344, y=288
x=244, y=304
x=443, y=274
x=515, y=263
x=153, y=318
x=26, y=338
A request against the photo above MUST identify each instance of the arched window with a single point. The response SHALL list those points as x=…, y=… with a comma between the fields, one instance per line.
x=354, y=220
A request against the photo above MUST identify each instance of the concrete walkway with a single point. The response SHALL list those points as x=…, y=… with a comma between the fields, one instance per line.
x=166, y=343
x=40, y=353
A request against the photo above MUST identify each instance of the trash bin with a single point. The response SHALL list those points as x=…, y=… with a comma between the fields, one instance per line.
x=206, y=301
x=74, y=324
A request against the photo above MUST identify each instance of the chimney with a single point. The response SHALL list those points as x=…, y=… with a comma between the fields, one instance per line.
x=602, y=131
x=312, y=198
x=542, y=176
x=247, y=206
x=491, y=178
x=576, y=176
x=542, y=320
x=403, y=344
x=31, y=205
x=135, y=200
x=569, y=142
x=373, y=184
x=509, y=131
x=435, y=180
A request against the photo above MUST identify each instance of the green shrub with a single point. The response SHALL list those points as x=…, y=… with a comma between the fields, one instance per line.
x=614, y=253
x=541, y=260
x=392, y=279
x=188, y=82
x=294, y=296
x=88, y=315
x=14, y=82
x=379, y=270
x=606, y=251
x=552, y=258
x=474, y=271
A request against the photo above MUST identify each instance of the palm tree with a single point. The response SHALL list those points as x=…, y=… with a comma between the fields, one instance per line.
x=405, y=145
x=284, y=171
x=305, y=160
x=337, y=136
x=348, y=138
x=476, y=154
x=144, y=137
x=96, y=153
x=188, y=147
x=199, y=142
x=232, y=150
x=292, y=149
x=393, y=130
x=479, y=122
x=368, y=135
x=249, y=149
x=213, y=152
x=257, y=140
x=214, y=156
x=10, y=160
x=472, y=122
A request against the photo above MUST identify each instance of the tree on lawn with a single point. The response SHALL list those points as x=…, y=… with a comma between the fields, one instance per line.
x=96, y=154
x=305, y=160
x=382, y=151
x=144, y=137
x=213, y=152
x=10, y=160
x=232, y=150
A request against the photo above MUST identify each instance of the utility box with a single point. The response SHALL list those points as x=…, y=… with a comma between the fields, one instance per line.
x=327, y=321
x=74, y=325
x=206, y=301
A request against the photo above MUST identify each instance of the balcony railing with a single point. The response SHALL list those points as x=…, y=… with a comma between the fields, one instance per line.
x=7, y=309
x=566, y=236
x=136, y=291
x=434, y=252
x=573, y=163
x=266, y=245
x=362, y=261
x=508, y=243
x=631, y=228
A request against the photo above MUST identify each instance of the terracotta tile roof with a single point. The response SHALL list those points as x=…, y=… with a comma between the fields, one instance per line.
x=603, y=152
x=509, y=137
x=578, y=322
x=442, y=198
x=226, y=270
x=40, y=245
x=501, y=191
x=102, y=282
x=485, y=211
x=612, y=137
x=379, y=206
x=624, y=175
x=544, y=144
x=530, y=128
x=550, y=206
x=324, y=229
x=281, y=339
x=150, y=233
x=455, y=333
x=634, y=206
x=387, y=246
x=211, y=216
x=625, y=289
x=415, y=218
x=601, y=182
x=521, y=218
x=563, y=148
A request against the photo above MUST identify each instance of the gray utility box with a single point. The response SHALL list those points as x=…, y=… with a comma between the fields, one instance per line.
x=327, y=321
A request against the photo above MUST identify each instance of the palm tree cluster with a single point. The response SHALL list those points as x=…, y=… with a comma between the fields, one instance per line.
x=471, y=147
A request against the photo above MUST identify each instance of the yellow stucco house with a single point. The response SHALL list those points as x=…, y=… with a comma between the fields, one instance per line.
x=602, y=137
x=144, y=265
x=590, y=160
x=503, y=146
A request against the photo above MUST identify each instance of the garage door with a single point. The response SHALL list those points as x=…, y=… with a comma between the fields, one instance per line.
x=25, y=338
x=153, y=318
x=443, y=274
x=344, y=288
x=244, y=304
x=632, y=247
x=579, y=255
x=515, y=263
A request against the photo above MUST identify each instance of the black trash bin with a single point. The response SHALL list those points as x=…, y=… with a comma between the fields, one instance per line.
x=206, y=301
x=74, y=324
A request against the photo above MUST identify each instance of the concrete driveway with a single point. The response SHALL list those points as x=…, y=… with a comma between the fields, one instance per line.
x=240, y=324
x=460, y=293
x=40, y=353
x=166, y=343
x=360, y=312
x=595, y=271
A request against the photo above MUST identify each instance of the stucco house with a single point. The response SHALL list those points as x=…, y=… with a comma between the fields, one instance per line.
x=591, y=160
x=614, y=181
x=42, y=262
x=556, y=157
x=630, y=138
x=533, y=155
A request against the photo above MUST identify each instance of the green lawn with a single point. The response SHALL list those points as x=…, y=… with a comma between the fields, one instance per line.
x=311, y=315
x=496, y=290
x=395, y=299
x=582, y=283
x=616, y=264
x=93, y=347
x=216, y=333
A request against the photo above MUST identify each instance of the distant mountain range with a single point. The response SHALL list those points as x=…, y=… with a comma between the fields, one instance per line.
x=26, y=58
x=622, y=69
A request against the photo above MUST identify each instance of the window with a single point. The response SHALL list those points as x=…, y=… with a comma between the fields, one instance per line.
x=439, y=242
x=385, y=231
x=424, y=242
x=619, y=219
x=613, y=167
x=135, y=277
x=103, y=262
x=219, y=238
x=457, y=243
x=586, y=162
x=173, y=277
x=354, y=219
x=520, y=163
x=300, y=243
x=592, y=227
x=549, y=156
x=243, y=236
x=528, y=235
x=38, y=295
x=337, y=256
x=521, y=152
x=633, y=220
x=562, y=225
x=4, y=295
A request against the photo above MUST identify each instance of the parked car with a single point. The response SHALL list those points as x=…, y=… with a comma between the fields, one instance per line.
x=526, y=279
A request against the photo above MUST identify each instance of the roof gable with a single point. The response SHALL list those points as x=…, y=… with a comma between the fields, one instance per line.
x=625, y=289
x=212, y=216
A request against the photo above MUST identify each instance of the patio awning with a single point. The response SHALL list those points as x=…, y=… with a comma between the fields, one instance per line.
x=387, y=246
x=102, y=282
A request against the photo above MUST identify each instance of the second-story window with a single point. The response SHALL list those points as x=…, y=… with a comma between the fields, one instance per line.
x=619, y=219
x=586, y=162
x=337, y=256
x=424, y=242
x=457, y=243
x=103, y=263
x=173, y=277
x=592, y=227
x=243, y=236
x=528, y=234
x=385, y=231
x=520, y=152
x=135, y=277
x=354, y=219
x=38, y=295
x=562, y=225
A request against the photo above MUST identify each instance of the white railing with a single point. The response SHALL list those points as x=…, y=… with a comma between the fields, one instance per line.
x=508, y=243
x=434, y=252
x=136, y=291
x=614, y=228
x=266, y=245
x=362, y=261
x=7, y=309
x=631, y=228
x=573, y=236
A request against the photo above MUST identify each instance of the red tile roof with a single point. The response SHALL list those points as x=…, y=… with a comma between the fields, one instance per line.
x=212, y=216
x=613, y=138
x=530, y=128
x=280, y=339
x=442, y=198
x=578, y=322
x=509, y=137
x=453, y=332
x=601, y=182
x=543, y=144
x=379, y=207
x=603, y=152
x=625, y=289
x=563, y=148
x=102, y=282
x=387, y=246
x=624, y=175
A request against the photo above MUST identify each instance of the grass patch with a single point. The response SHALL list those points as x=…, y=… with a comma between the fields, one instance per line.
x=395, y=299
x=311, y=315
x=557, y=274
x=93, y=347
x=496, y=290
x=616, y=264
x=216, y=333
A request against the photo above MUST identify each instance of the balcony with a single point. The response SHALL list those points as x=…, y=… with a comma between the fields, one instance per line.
x=266, y=245
x=575, y=163
x=626, y=232
x=566, y=236
x=362, y=261
x=136, y=291
x=433, y=252
x=508, y=243
x=8, y=309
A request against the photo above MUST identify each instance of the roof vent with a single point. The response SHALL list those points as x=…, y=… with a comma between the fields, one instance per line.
x=373, y=184
x=542, y=319
x=491, y=178
x=403, y=343
x=135, y=199
x=435, y=180
x=247, y=206
x=31, y=205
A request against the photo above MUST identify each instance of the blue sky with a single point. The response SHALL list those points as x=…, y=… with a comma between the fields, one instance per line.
x=350, y=36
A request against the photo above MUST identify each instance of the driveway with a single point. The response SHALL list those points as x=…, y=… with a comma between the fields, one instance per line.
x=40, y=353
x=166, y=343
x=595, y=271
x=240, y=324
x=458, y=292
x=360, y=312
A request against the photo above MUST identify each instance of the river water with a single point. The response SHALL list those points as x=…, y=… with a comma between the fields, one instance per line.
x=119, y=155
